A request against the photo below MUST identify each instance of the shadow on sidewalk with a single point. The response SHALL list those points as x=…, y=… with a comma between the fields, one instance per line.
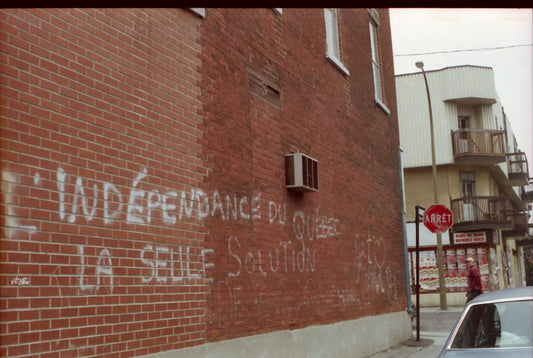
x=423, y=342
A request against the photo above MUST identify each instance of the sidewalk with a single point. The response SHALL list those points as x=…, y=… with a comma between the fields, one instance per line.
x=435, y=326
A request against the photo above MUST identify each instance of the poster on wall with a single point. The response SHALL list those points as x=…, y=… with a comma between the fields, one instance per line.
x=451, y=268
x=495, y=278
x=429, y=273
x=455, y=270
x=461, y=280
x=509, y=265
x=483, y=263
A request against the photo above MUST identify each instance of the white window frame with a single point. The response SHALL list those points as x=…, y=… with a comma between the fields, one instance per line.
x=200, y=11
x=376, y=64
x=333, y=39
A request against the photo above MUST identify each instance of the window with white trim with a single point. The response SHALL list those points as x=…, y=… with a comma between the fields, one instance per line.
x=375, y=60
x=200, y=11
x=333, y=52
x=376, y=64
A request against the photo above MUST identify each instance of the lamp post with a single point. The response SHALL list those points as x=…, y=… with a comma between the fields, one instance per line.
x=440, y=255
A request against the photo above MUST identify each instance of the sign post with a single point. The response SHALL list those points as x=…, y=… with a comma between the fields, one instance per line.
x=417, y=270
x=438, y=218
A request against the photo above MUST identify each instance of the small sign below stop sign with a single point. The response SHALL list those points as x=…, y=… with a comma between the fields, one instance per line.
x=438, y=218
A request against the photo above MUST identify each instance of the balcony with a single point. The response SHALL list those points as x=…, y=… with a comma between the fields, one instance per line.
x=478, y=146
x=480, y=212
x=518, y=169
x=526, y=193
x=519, y=225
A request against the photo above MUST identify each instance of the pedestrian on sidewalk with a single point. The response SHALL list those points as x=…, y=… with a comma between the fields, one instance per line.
x=474, y=280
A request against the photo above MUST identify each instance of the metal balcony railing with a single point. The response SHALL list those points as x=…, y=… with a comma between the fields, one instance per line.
x=526, y=192
x=480, y=212
x=519, y=224
x=480, y=143
x=518, y=219
x=518, y=167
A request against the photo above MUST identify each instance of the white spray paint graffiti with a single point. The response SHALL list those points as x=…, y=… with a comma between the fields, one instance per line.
x=370, y=270
x=102, y=272
x=20, y=281
x=284, y=258
x=94, y=274
x=139, y=206
x=174, y=265
x=317, y=299
x=319, y=227
x=82, y=199
x=371, y=267
x=274, y=212
x=12, y=222
x=288, y=255
x=143, y=206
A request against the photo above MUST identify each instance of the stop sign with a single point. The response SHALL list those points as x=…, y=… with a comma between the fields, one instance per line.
x=438, y=218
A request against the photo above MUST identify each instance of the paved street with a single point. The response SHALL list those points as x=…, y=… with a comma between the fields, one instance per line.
x=435, y=326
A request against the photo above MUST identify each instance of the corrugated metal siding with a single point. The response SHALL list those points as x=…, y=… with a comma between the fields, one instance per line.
x=487, y=117
x=413, y=119
x=445, y=86
x=510, y=137
x=468, y=81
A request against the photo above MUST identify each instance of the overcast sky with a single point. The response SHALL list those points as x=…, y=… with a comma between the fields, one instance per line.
x=416, y=31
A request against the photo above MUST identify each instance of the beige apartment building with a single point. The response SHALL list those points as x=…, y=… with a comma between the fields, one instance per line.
x=482, y=177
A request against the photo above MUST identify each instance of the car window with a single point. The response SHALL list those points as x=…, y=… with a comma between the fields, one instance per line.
x=505, y=324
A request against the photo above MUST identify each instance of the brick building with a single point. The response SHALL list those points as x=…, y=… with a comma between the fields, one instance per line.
x=145, y=158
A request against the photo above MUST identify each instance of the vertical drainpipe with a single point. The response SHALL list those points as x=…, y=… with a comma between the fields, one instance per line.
x=404, y=236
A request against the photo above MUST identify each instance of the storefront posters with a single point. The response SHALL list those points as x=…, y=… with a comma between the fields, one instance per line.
x=509, y=265
x=495, y=284
x=455, y=270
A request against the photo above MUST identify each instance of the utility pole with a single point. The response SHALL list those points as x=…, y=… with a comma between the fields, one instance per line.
x=440, y=255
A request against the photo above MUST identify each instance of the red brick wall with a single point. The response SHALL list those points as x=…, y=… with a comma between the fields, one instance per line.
x=143, y=178
x=311, y=258
x=101, y=134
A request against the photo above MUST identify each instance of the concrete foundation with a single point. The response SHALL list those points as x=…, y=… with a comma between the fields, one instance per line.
x=350, y=339
x=453, y=299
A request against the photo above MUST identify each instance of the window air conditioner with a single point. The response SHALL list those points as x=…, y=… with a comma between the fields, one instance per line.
x=301, y=172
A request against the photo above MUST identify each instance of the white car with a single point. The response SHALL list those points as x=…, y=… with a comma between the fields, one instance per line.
x=494, y=324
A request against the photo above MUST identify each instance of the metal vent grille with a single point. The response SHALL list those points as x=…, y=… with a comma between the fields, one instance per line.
x=301, y=172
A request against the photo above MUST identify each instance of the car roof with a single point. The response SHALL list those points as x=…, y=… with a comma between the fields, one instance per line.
x=512, y=294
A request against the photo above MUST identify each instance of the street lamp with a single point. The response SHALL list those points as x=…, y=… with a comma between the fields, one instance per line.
x=440, y=255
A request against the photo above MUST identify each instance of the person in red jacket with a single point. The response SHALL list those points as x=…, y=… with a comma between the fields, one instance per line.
x=474, y=280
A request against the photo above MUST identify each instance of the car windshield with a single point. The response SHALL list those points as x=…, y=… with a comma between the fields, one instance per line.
x=492, y=325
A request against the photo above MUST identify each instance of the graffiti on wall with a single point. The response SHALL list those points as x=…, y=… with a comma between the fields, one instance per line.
x=104, y=204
